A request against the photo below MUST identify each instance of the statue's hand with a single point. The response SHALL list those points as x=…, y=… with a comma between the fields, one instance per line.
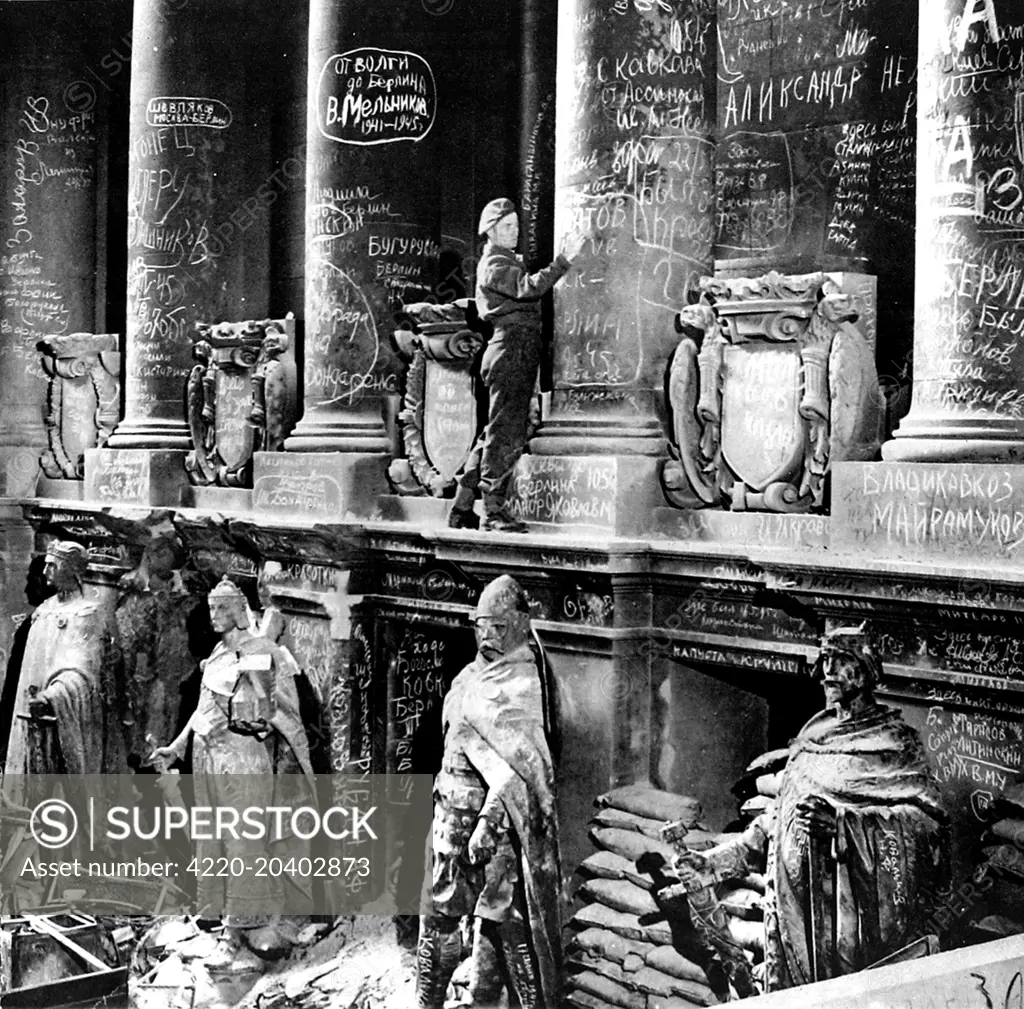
x=482, y=844
x=164, y=755
x=254, y=727
x=39, y=707
x=695, y=870
x=816, y=817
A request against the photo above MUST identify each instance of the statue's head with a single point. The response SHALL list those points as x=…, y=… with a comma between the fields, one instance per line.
x=500, y=223
x=502, y=618
x=65, y=565
x=848, y=666
x=228, y=608
x=163, y=555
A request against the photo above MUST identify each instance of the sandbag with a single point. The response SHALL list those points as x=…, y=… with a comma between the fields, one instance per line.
x=669, y=1002
x=748, y=934
x=999, y=925
x=659, y=933
x=654, y=982
x=1009, y=895
x=599, y=916
x=769, y=784
x=629, y=844
x=584, y=1000
x=620, y=895
x=1011, y=830
x=669, y=960
x=1012, y=800
x=742, y=902
x=643, y=800
x=756, y=805
x=603, y=988
x=1007, y=858
x=612, y=817
x=604, y=865
x=770, y=762
x=610, y=946
x=754, y=881
x=584, y=961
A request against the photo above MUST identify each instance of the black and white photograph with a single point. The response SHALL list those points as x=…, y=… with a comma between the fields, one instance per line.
x=513, y=504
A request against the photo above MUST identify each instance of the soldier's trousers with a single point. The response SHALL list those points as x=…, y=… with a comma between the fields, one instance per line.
x=509, y=371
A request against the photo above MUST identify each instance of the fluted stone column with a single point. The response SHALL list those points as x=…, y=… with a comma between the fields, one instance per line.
x=200, y=180
x=968, y=394
x=372, y=214
x=634, y=171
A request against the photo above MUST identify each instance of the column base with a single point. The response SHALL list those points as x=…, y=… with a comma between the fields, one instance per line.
x=598, y=437
x=154, y=477
x=19, y=471
x=348, y=436
x=975, y=450
x=60, y=490
x=151, y=434
x=318, y=485
x=592, y=494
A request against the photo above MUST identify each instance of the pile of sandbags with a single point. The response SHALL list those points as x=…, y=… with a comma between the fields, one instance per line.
x=760, y=784
x=1004, y=853
x=620, y=950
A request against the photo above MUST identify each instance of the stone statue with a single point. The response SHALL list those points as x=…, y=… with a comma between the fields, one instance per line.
x=857, y=841
x=153, y=616
x=246, y=723
x=508, y=297
x=68, y=703
x=495, y=831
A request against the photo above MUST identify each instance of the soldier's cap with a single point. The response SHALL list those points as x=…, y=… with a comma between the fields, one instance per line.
x=502, y=595
x=495, y=211
x=67, y=550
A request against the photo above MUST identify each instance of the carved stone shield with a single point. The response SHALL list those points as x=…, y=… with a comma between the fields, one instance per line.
x=449, y=416
x=234, y=405
x=763, y=437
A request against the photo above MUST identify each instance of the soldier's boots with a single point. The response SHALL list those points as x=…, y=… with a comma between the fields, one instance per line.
x=501, y=520
x=437, y=954
x=463, y=518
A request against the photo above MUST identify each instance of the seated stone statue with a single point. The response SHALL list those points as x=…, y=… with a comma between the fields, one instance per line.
x=857, y=844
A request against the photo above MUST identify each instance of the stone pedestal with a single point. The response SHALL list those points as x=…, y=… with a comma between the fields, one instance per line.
x=952, y=514
x=968, y=397
x=372, y=213
x=200, y=166
x=135, y=476
x=593, y=494
x=318, y=486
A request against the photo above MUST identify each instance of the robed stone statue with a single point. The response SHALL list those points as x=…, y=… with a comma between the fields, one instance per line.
x=857, y=843
x=495, y=831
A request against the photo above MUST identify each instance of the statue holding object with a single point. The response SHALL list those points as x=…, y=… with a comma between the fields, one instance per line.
x=495, y=830
x=857, y=842
x=770, y=386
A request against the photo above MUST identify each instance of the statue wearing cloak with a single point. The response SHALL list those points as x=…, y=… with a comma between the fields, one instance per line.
x=495, y=831
x=857, y=843
x=69, y=665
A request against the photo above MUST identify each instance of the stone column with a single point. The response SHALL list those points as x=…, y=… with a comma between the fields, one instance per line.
x=55, y=129
x=968, y=394
x=634, y=170
x=372, y=223
x=199, y=183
